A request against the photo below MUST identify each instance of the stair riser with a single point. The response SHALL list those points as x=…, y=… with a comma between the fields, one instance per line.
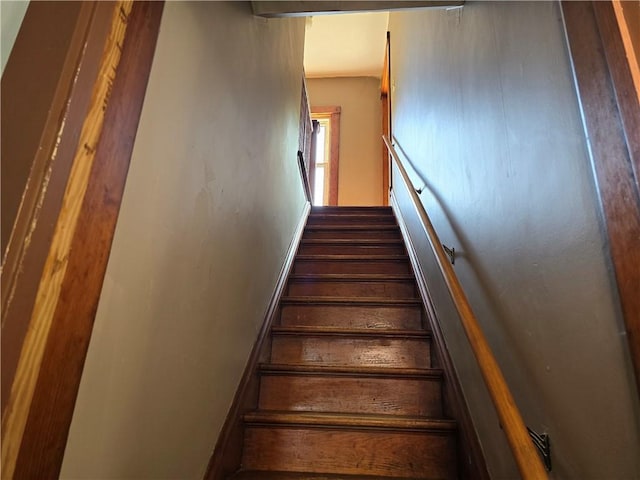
x=351, y=266
x=353, y=289
x=370, y=234
x=330, y=249
x=329, y=219
x=382, y=453
x=352, y=316
x=342, y=394
x=366, y=352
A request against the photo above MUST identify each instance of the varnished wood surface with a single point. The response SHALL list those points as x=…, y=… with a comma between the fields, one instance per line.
x=357, y=285
x=350, y=247
x=349, y=386
x=339, y=219
x=392, y=264
x=399, y=351
x=45, y=434
x=25, y=254
x=612, y=120
x=351, y=393
x=348, y=421
x=352, y=316
x=352, y=209
x=32, y=361
x=266, y=475
x=341, y=331
x=381, y=453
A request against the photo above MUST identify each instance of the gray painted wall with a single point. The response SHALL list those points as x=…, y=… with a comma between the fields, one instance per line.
x=485, y=108
x=212, y=200
x=360, y=172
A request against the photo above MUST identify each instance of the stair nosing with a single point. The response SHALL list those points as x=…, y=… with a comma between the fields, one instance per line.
x=349, y=420
x=295, y=475
x=349, y=332
x=354, y=241
x=370, y=301
x=352, y=226
x=354, y=277
x=350, y=371
x=343, y=258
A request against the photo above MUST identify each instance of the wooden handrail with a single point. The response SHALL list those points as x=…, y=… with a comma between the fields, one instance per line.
x=523, y=449
x=304, y=176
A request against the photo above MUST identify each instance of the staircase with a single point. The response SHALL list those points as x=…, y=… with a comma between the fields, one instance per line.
x=350, y=390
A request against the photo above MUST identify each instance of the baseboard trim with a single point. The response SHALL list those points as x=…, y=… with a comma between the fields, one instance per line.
x=472, y=462
x=227, y=454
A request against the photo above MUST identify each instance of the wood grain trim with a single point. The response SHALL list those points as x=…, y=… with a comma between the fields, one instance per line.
x=628, y=17
x=471, y=460
x=42, y=198
x=83, y=239
x=227, y=454
x=622, y=80
x=611, y=117
x=15, y=417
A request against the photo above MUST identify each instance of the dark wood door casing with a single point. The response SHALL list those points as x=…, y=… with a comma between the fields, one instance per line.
x=611, y=114
x=36, y=421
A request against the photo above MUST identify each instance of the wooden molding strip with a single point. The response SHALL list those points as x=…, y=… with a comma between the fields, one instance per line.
x=15, y=416
x=54, y=351
x=30, y=239
x=226, y=456
x=470, y=447
x=611, y=118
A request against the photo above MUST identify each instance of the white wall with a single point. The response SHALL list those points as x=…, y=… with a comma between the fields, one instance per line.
x=11, y=15
x=485, y=107
x=211, y=203
x=360, y=172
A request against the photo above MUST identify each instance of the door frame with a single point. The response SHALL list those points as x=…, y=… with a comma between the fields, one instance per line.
x=44, y=387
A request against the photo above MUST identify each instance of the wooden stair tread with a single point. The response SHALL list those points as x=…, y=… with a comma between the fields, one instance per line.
x=370, y=301
x=348, y=208
x=351, y=277
x=349, y=420
x=352, y=214
x=346, y=258
x=352, y=226
x=271, y=475
x=353, y=241
x=350, y=371
x=350, y=332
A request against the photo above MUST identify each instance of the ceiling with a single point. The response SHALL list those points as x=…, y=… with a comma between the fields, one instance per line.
x=345, y=45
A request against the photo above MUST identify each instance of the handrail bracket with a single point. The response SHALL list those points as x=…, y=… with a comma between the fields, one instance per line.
x=451, y=252
x=543, y=444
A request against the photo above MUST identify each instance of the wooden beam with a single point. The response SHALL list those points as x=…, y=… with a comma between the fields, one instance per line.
x=37, y=419
x=611, y=116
